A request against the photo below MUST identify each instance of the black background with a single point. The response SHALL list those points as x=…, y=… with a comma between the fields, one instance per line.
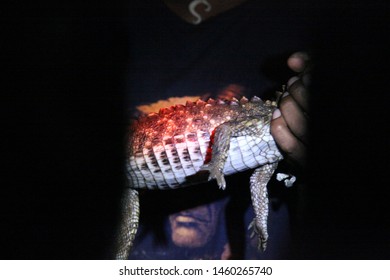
x=62, y=128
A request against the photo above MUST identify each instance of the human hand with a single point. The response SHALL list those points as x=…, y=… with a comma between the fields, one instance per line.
x=289, y=122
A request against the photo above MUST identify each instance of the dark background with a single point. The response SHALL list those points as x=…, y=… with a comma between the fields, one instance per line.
x=62, y=128
x=348, y=208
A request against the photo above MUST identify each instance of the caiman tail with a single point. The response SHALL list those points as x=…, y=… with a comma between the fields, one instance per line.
x=129, y=223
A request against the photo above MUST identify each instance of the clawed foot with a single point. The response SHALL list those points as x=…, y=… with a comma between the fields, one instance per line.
x=215, y=173
x=262, y=237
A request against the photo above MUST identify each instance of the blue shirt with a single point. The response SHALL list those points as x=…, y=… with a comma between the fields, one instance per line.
x=243, y=50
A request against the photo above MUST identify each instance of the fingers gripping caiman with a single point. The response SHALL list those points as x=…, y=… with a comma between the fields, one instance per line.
x=174, y=148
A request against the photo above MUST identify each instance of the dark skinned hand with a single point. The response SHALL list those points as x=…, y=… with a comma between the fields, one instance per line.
x=289, y=124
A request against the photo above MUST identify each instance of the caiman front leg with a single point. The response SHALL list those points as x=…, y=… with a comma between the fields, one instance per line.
x=129, y=223
x=259, y=195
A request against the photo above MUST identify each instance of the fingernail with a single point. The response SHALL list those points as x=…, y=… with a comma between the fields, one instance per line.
x=276, y=114
x=285, y=94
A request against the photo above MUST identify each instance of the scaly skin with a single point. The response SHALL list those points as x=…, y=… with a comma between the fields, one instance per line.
x=173, y=148
x=129, y=223
x=259, y=195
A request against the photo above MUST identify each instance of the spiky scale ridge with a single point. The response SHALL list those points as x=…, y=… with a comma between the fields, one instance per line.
x=210, y=101
x=244, y=100
x=234, y=102
x=200, y=102
x=190, y=104
x=256, y=99
x=167, y=148
x=221, y=102
x=216, y=109
x=190, y=124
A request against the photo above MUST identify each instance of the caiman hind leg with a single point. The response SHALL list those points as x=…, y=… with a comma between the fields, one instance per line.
x=220, y=148
x=221, y=145
x=129, y=223
x=259, y=195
